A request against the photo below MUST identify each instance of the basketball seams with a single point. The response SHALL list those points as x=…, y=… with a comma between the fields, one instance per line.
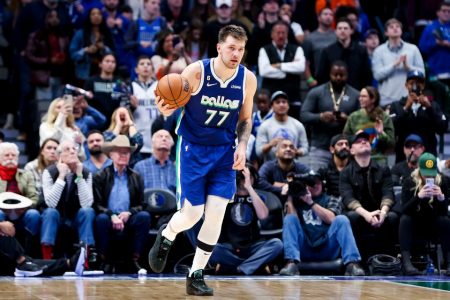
x=171, y=84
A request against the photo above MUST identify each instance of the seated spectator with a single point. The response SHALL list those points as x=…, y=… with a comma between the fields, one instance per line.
x=90, y=44
x=142, y=101
x=47, y=54
x=170, y=56
x=413, y=149
x=425, y=210
x=176, y=14
x=367, y=196
x=118, y=201
x=195, y=47
x=273, y=173
x=68, y=198
x=340, y=151
x=375, y=122
x=59, y=124
x=416, y=114
x=263, y=110
x=158, y=171
x=101, y=87
x=14, y=261
x=97, y=160
x=122, y=123
x=326, y=109
x=240, y=249
x=316, y=231
x=86, y=117
x=47, y=156
x=280, y=126
x=21, y=182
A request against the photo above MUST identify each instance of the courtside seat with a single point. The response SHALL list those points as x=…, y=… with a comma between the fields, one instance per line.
x=273, y=224
x=159, y=202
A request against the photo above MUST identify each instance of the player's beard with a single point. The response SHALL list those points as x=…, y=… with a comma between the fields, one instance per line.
x=228, y=65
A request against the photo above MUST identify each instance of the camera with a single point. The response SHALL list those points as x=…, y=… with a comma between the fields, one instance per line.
x=298, y=184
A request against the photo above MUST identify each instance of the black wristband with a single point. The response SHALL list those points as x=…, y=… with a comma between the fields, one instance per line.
x=311, y=205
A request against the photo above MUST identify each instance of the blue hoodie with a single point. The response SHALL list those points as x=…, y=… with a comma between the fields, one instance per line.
x=438, y=56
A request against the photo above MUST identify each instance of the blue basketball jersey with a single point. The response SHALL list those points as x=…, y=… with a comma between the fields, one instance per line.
x=211, y=115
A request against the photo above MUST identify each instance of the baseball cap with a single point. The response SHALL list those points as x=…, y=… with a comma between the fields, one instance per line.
x=370, y=32
x=415, y=74
x=428, y=165
x=337, y=138
x=278, y=94
x=219, y=3
x=413, y=138
x=358, y=135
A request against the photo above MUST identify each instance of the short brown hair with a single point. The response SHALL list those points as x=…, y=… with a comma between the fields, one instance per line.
x=392, y=21
x=235, y=31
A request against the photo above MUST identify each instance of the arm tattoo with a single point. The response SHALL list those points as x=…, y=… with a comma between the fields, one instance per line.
x=244, y=129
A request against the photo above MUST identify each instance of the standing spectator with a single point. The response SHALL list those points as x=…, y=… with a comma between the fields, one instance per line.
x=158, y=171
x=392, y=61
x=273, y=173
x=118, y=201
x=435, y=44
x=47, y=52
x=413, y=149
x=371, y=42
x=367, y=196
x=316, y=231
x=176, y=13
x=326, y=109
x=122, y=123
x=280, y=64
x=416, y=114
x=68, y=198
x=241, y=249
x=47, y=157
x=339, y=148
x=19, y=181
x=143, y=103
x=353, y=54
x=101, y=87
x=286, y=11
x=141, y=36
x=90, y=44
x=263, y=110
x=315, y=42
x=425, y=210
x=79, y=11
x=280, y=126
x=195, y=46
x=375, y=122
x=97, y=160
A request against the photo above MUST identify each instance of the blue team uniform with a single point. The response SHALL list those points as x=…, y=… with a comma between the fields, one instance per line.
x=207, y=134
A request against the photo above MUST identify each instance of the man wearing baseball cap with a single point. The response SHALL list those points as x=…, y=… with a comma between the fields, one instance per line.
x=425, y=200
x=367, y=196
x=416, y=114
x=412, y=148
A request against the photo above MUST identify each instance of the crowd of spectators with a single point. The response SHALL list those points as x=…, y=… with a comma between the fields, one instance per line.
x=345, y=90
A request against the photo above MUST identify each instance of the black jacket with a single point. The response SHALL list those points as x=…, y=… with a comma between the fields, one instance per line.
x=331, y=176
x=380, y=186
x=103, y=184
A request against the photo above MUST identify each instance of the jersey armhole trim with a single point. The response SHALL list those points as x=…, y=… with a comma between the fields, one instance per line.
x=202, y=79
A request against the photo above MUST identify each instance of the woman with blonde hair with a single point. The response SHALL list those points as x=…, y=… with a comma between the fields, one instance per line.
x=122, y=122
x=424, y=203
x=59, y=124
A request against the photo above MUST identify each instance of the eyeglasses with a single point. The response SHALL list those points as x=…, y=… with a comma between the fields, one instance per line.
x=415, y=147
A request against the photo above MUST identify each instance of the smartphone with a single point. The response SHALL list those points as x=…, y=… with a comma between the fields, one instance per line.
x=68, y=98
x=429, y=181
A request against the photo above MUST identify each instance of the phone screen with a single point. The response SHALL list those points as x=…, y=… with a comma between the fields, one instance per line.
x=429, y=181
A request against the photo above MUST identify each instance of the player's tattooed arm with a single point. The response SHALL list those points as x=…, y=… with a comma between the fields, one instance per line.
x=244, y=128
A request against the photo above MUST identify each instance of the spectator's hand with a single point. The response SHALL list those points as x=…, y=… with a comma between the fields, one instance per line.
x=7, y=229
x=410, y=100
x=405, y=62
x=145, y=44
x=307, y=198
x=423, y=100
x=134, y=101
x=284, y=189
x=247, y=178
x=379, y=127
x=67, y=108
x=443, y=43
x=371, y=217
x=110, y=22
x=164, y=108
x=124, y=216
x=79, y=168
x=436, y=191
x=274, y=142
x=425, y=192
x=399, y=61
x=117, y=223
x=261, y=20
x=63, y=169
x=100, y=45
x=380, y=219
x=327, y=117
x=91, y=49
x=286, y=18
x=79, y=7
x=119, y=22
x=313, y=83
x=343, y=117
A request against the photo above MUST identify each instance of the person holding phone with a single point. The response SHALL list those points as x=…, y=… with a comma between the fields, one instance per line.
x=424, y=203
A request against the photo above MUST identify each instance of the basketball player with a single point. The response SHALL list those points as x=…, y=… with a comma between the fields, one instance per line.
x=220, y=107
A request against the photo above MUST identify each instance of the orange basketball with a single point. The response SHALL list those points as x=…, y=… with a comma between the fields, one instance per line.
x=174, y=89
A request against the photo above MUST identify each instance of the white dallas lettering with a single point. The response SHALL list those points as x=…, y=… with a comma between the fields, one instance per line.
x=219, y=102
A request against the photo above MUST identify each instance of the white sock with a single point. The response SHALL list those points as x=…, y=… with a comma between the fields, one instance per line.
x=201, y=258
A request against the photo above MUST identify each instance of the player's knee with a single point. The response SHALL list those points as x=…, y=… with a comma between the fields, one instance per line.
x=194, y=213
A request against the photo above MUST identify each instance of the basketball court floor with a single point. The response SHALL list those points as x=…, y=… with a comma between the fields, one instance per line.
x=254, y=287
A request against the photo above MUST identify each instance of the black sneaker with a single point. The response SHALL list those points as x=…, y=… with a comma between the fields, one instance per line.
x=157, y=257
x=28, y=269
x=354, y=269
x=195, y=285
